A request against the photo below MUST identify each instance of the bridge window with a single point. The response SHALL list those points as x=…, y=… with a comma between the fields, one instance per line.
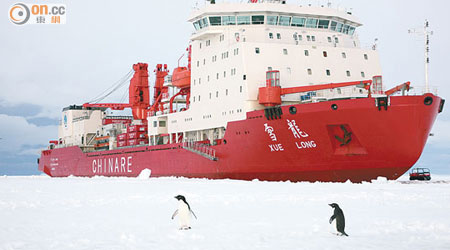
x=162, y=123
x=323, y=24
x=345, y=30
x=311, y=23
x=215, y=20
x=272, y=20
x=333, y=25
x=197, y=25
x=228, y=20
x=351, y=31
x=243, y=20
x=284, y=20
x=298, y=21
x=339, y=27
x=257, y=19
x=204, y=23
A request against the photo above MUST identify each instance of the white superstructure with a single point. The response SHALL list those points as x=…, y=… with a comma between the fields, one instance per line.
x=233, y=46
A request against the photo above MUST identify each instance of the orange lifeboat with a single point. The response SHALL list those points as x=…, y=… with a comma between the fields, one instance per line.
x=181, y=77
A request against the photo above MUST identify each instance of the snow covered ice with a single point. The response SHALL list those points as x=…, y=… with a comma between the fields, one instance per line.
x=135, y=213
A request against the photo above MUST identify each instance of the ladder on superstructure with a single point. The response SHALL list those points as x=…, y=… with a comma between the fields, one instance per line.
x=201, y=149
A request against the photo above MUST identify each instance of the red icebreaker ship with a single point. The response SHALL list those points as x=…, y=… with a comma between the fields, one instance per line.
x=270, y=91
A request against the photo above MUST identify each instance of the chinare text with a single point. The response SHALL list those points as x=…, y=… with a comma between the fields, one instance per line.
x=112, y=165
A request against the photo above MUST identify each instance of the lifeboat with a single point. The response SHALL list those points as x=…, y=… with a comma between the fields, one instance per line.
x=181, y=77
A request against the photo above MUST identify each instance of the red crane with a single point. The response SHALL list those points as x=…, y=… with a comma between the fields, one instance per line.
x=139, y=100
x=270, y=95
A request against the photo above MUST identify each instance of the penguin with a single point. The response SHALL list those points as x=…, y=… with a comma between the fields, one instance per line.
x=340, y=219
x=184, y=213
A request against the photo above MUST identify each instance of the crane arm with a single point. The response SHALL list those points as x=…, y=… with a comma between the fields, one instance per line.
x=401, y=87
x=285, y=91
x=113, y=106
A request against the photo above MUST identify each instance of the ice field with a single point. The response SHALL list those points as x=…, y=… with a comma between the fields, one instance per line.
x=135, y=213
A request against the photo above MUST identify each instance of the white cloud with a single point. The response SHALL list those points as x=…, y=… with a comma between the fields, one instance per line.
x=20, y=137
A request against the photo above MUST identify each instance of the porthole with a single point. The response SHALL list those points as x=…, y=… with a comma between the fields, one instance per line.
x=428, y=100
x=334, y=107
x=293, y=110
x=224, y=141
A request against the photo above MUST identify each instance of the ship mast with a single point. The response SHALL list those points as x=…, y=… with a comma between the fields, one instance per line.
x=427, y=51
x=426, y=33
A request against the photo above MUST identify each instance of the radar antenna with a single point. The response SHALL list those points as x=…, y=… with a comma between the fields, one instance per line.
x=426, y=33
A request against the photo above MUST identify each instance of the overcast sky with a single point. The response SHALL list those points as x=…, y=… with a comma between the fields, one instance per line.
x=44, y=68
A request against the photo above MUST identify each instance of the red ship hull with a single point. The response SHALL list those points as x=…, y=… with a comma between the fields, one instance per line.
x=355, y=141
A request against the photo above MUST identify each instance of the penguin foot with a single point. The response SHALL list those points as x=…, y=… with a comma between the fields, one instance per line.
x=185, y=228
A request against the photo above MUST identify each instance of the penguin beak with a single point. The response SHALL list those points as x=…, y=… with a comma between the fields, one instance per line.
x=330, y=205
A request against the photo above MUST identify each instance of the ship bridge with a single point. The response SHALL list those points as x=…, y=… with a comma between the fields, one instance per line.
x=214, y=17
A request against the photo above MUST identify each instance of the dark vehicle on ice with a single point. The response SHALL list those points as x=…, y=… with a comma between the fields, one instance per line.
x=422, y=174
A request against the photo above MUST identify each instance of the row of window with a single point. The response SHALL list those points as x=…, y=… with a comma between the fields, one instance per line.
x=324, y=53
x=230, y=112
x=328, y=72
x=225, y=55
x=217, y=95
x=296, y=37
x=162, y=124
x=294, y=21
x=233, y=73
x=309, y=38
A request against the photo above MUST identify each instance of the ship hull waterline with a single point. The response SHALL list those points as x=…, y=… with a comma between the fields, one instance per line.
x=332, y=141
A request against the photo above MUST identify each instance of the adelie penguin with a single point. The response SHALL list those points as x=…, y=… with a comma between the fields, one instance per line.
x=184, y=213
x=338, y=215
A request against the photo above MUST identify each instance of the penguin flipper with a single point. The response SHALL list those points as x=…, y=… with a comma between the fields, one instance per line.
x=332, y=218
x=194, y=214
x=174, y=214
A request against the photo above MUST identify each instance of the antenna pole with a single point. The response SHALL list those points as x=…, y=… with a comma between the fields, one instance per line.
x=427, y=56
x=426, y=33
